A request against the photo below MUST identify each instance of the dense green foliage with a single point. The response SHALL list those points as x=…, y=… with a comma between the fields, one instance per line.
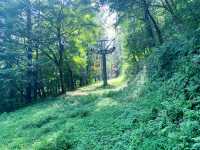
x=44, y=49
x=164, y=37
x=158, y=108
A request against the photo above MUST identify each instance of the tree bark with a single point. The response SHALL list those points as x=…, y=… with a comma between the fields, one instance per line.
x=61, y=80
x=157, y=29
x=71, y=84
x=61, y=52
x=29, y=87
x=149, y=28
x=35, y=88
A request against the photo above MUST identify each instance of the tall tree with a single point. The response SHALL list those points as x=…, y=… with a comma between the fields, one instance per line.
x=29, y=88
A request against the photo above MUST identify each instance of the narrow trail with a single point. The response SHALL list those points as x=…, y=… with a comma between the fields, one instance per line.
x=114, y=86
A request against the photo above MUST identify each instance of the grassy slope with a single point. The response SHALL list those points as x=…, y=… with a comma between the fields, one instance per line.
x=120, y=117
x=90, y=118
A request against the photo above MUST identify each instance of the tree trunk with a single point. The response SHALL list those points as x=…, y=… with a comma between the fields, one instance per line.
x=149, y=28
x=29, y=54
x=71, y=80
x=157, y=29
x=37, y=69
x=61, y=80
x=61, y=52
x=88, y=68
x=36, y=76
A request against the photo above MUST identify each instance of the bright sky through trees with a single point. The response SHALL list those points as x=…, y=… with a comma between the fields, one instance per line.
x=108, y=21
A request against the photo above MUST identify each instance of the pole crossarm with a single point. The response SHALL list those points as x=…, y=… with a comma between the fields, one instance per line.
x=104, y=47
x=103, y=51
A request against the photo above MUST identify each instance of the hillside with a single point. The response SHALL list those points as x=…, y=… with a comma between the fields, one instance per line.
x=132, y=115
x=54, y=55
x=103, y=119
x=148, y=112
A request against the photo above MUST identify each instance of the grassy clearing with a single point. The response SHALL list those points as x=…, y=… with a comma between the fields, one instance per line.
x=119, y=117
x=89, y=118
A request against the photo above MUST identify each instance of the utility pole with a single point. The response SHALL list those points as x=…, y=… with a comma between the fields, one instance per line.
x=104, y=48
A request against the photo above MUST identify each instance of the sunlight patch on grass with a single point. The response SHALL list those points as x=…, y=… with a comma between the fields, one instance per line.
x=138, y=84
x=106, y=102
x=97, y=88
x=117, y=82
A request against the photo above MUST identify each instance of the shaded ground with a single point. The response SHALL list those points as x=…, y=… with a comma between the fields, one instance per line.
x=89, y=118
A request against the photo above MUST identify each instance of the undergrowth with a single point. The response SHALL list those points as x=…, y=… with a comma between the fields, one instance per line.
x=157, y=109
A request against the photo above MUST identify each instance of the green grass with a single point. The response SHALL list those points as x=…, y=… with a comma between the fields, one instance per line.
x=89, y=118
x=119, y=117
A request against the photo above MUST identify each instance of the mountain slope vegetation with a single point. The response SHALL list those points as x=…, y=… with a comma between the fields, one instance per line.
x=51, y=96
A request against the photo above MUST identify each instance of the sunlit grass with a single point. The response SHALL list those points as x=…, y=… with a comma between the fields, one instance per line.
x=106, y=102
x=97, y=88
x=90, y=118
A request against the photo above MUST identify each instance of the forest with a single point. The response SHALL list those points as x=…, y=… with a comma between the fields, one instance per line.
x=100, y=74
